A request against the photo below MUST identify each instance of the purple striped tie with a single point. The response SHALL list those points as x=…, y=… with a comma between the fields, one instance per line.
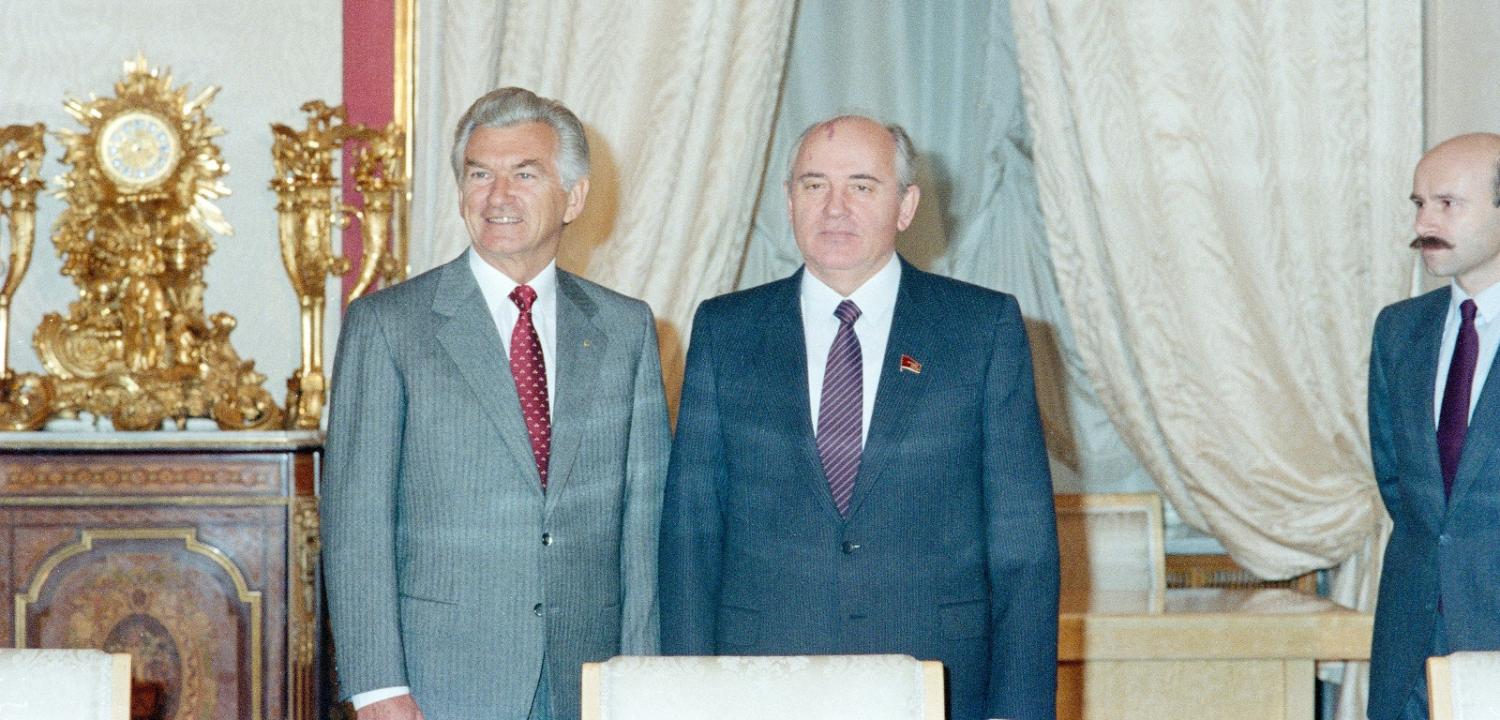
x=841, y=410
x=1453, y=421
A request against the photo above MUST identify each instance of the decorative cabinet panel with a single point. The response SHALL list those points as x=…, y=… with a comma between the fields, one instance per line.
x=194, y=552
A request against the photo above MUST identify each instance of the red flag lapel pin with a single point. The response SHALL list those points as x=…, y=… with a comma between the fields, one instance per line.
x=910, y=364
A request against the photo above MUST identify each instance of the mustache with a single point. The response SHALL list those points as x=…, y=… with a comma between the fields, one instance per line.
x=1423, y=242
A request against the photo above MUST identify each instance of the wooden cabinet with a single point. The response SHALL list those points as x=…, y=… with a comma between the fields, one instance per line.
x=197, y=553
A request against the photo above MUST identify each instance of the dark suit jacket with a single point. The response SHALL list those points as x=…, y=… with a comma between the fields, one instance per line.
x=1452, y=547
x=950, y=549
x=447, y=567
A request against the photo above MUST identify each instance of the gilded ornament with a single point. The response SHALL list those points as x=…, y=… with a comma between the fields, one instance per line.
x=136, y=346
x=309, y=209
x=25, y=399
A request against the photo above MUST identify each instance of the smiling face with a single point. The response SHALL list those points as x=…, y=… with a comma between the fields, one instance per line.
x=846, y=202
x=1457, y=224
x=512, y=198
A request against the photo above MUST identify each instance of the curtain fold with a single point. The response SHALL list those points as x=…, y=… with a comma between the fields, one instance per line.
x=1225, y=191
x=677, y=99
x=947, y=73
x=458, y=59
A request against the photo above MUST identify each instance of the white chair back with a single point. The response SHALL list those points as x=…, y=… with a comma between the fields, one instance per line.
x=45, y=684
x=824, y=687
x=1464, y=686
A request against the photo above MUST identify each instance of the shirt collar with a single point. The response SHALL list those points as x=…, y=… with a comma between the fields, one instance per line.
x=497, y=286
x=1488, y=302
x=875, y=298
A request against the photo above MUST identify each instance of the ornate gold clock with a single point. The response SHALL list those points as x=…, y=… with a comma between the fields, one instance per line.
x=136, y=345
x=137, y=150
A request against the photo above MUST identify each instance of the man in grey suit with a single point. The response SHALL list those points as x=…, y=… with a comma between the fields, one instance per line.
x=859, y=464
x=1434, y=429
x=496, y=451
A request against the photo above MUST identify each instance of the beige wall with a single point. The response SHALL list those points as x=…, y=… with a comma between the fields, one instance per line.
x=1461, y=78
x=268, y=57
x=1463, y=67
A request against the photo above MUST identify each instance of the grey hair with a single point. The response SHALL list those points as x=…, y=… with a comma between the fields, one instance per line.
x=509, y=106
x=906, y=152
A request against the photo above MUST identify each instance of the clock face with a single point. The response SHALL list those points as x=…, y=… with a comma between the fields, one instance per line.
x=137, y=150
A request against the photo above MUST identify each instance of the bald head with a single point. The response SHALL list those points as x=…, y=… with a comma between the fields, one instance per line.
x=1456, y=190
x=905, y=158
x=848, y=197
x=1474, y=152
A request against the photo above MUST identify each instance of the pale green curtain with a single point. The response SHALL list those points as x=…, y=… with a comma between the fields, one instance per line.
x=947, y=73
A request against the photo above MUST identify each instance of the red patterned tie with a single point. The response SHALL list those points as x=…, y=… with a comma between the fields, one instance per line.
x=530, y=372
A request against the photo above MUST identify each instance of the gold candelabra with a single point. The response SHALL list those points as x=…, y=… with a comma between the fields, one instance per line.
x=309, y=209
x=24, y=400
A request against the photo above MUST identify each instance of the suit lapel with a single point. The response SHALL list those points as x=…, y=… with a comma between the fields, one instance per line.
x=469, y=337
x=786, y=367
x=580, y=346
x=898, y=391
x=1417, y=378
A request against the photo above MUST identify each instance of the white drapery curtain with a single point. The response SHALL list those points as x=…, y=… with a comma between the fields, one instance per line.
x=946, y=72
x=1225, y=191
x=678, y=100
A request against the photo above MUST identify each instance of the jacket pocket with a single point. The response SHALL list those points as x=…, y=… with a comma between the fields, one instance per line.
x=426, y=592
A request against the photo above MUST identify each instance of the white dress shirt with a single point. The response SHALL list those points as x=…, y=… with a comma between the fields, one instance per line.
x=496, y=287
x=877, y=303
x=1488, y=304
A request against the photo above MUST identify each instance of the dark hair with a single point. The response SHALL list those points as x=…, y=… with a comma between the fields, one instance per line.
x=1497, y=184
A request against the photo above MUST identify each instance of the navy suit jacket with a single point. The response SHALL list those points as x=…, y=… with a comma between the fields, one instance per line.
x=950, y=548
x=1451, y=547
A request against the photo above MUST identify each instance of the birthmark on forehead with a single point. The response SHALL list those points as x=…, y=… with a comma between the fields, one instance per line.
x=828, y=129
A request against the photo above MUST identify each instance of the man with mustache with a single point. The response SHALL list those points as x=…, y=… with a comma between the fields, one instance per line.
x=1434, y=428
x=859, y=464
x=496, y=452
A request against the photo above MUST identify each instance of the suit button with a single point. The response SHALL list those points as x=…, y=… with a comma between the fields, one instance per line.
x=546, y=538
x=537, y=609
x=1445, y=539
x=849, y=547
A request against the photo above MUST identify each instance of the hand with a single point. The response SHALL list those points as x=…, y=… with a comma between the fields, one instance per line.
x=401, y=707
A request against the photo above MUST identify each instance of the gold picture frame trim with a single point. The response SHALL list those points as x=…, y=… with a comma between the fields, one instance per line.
x=189, y=537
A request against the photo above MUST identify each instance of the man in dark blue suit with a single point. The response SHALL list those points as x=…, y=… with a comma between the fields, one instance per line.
x=859, y=464
x=1434, y=428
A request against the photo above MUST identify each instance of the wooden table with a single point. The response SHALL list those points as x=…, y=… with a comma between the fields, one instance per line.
x=1224, y=654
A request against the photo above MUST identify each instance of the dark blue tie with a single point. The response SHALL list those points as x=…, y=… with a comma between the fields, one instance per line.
x=1453, y=421
x=841, y=409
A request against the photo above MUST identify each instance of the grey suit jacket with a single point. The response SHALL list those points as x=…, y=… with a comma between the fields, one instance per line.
x=950, y=548
x=447, y=567
x=1437, y=548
